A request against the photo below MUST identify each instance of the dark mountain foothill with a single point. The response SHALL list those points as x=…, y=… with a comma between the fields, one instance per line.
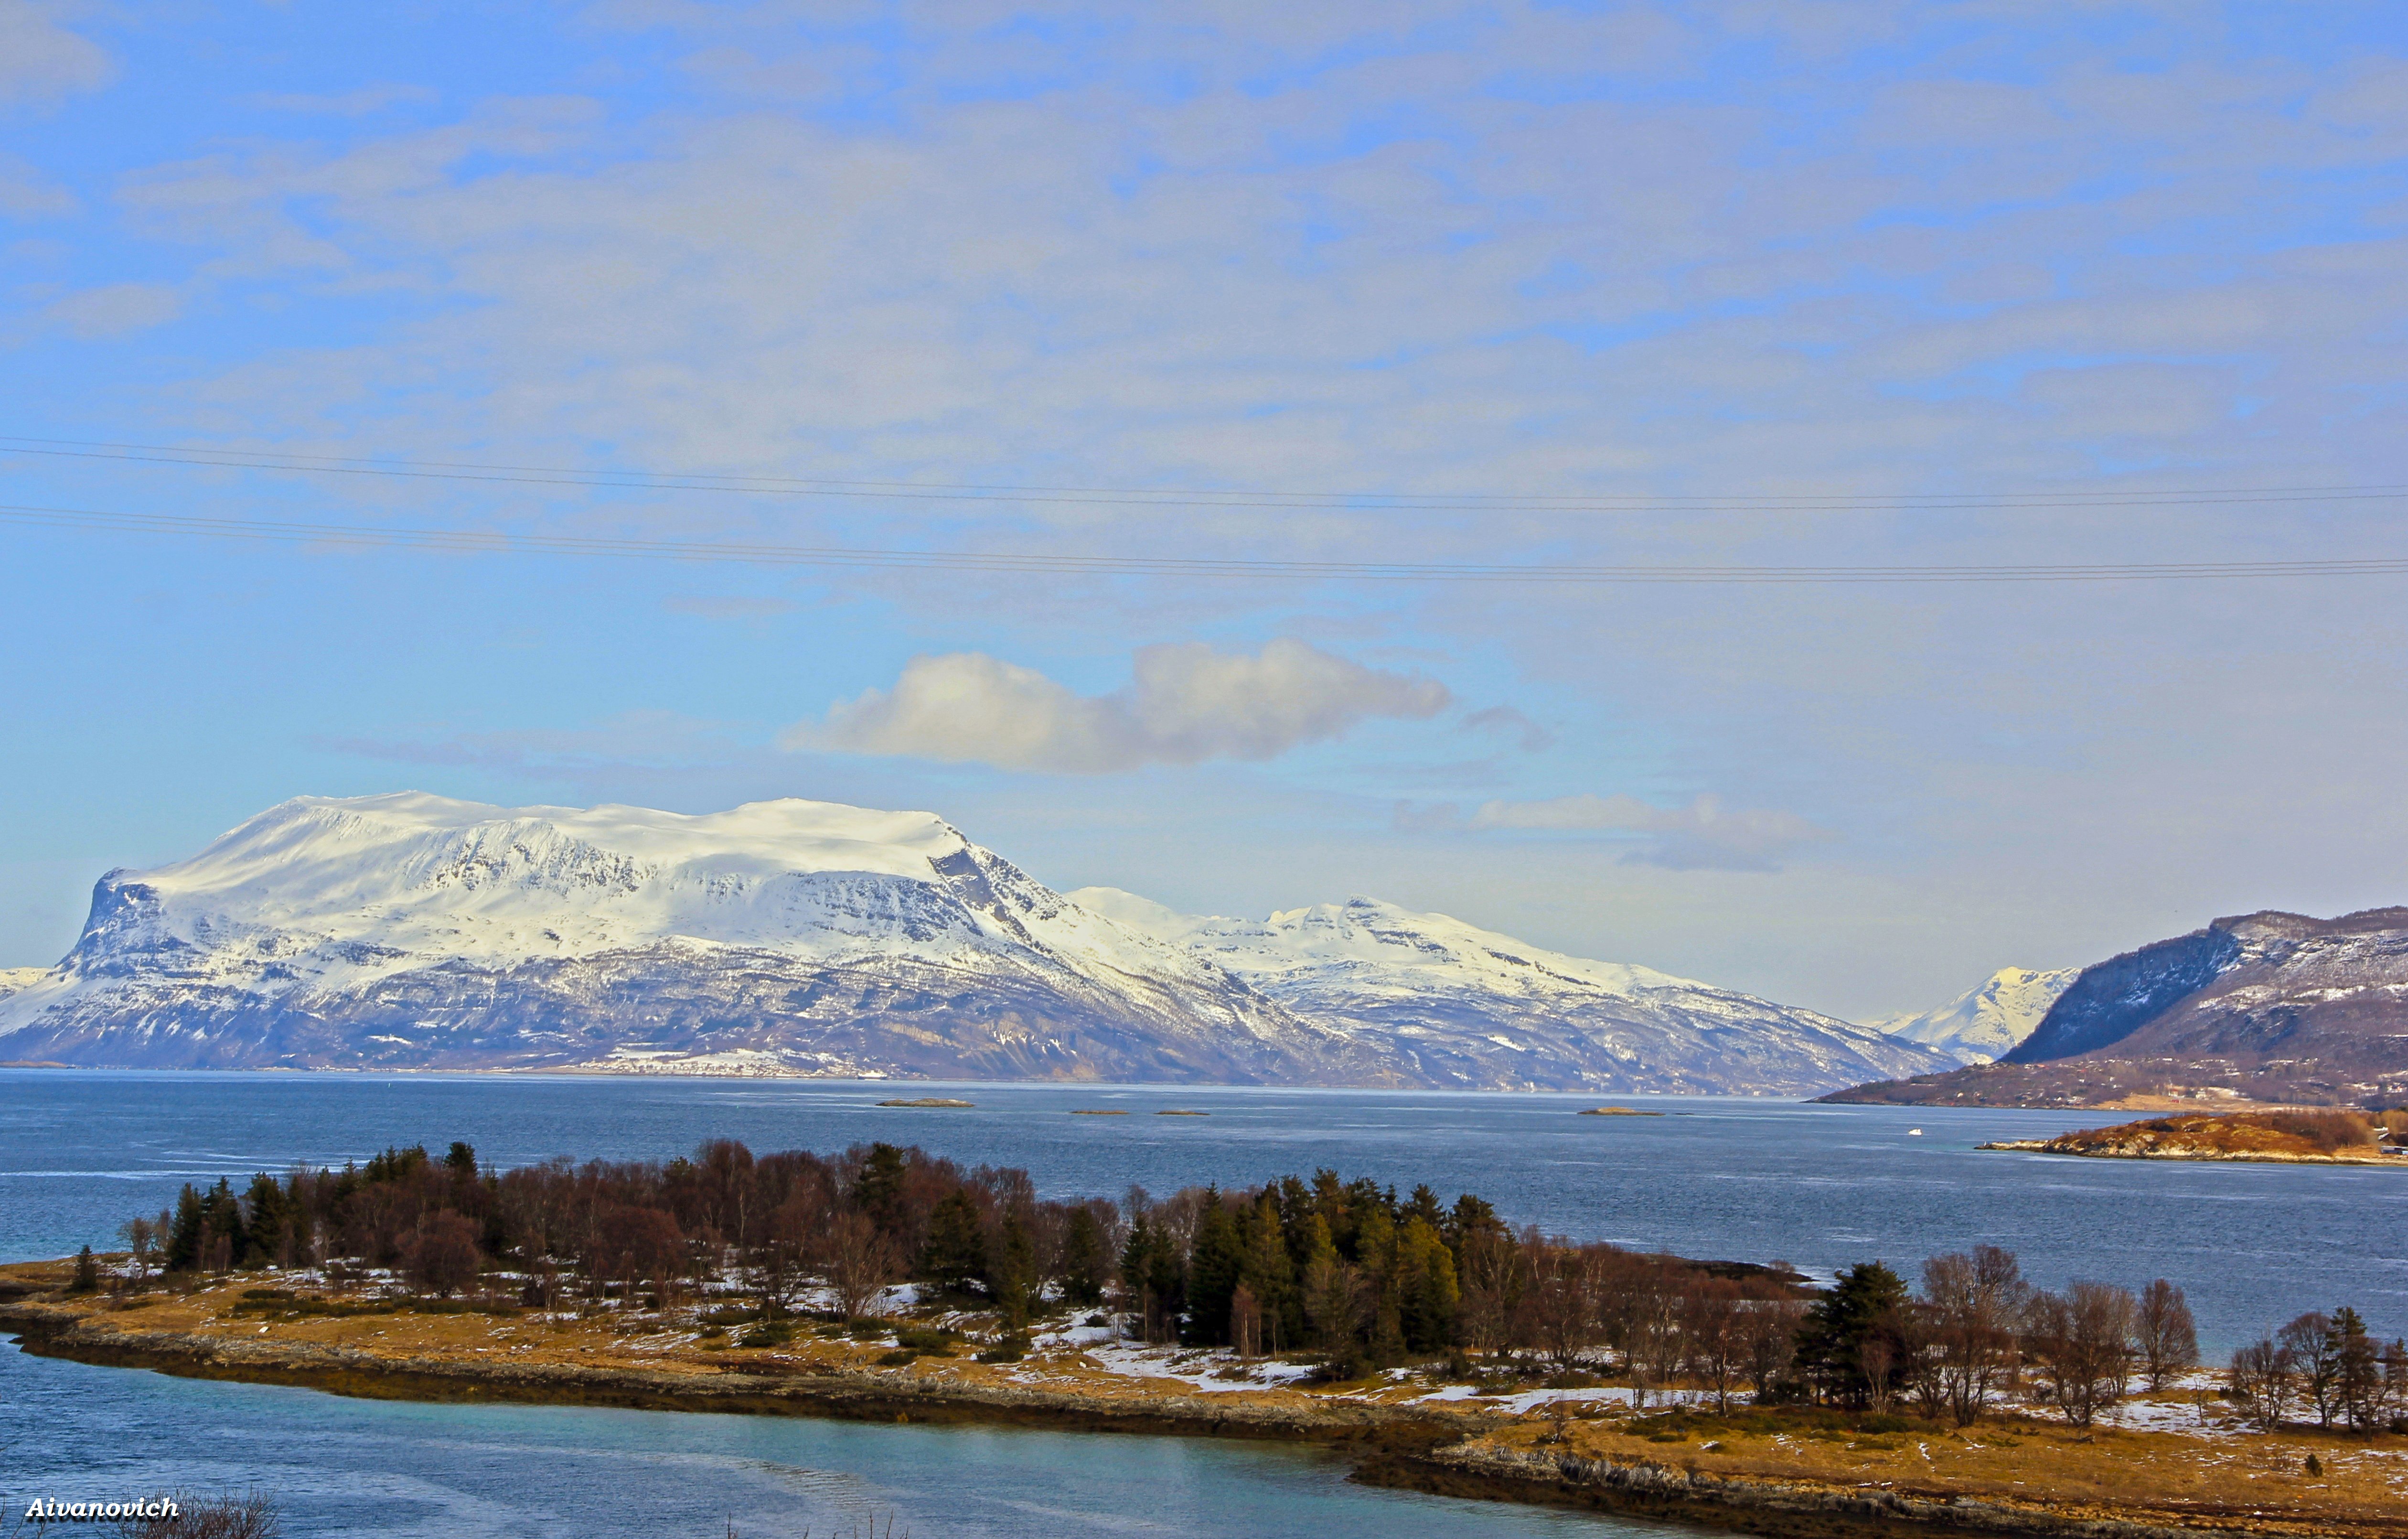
x=2267, y=1008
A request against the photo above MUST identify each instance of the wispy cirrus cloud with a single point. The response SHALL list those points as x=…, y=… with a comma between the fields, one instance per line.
x=1185, y=703
x=41, y=60
x=1703, y=835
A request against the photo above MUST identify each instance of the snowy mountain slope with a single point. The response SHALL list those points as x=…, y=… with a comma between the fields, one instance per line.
x=1467, y=1007
x=1984, y=1022
x=412, y=930
x=14, y=978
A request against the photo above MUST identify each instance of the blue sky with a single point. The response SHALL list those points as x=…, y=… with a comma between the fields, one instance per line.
x=2056, y=261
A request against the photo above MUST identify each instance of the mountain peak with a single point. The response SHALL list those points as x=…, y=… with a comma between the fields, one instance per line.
x=412, y=931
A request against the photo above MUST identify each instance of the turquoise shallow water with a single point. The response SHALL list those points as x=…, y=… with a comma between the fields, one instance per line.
x=348, y=1467
x=1818, y=1186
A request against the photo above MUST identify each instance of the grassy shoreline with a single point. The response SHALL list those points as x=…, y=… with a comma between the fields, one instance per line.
x=1793, y=1472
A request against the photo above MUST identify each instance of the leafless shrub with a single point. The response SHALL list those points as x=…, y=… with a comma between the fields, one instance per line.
x=251, y=1517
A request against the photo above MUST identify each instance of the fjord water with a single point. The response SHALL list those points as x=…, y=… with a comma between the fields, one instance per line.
x=1818, y=1186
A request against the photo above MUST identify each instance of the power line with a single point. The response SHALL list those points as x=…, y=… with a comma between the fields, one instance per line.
x=471, y=542
x=659, y=481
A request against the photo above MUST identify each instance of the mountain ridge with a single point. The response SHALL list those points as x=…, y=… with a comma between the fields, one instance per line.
x=2268, y=1007
x=1987, y=1020
x=792, y=937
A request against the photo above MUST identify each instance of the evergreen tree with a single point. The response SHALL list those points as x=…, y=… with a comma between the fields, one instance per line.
x=1011, y=1279
x=184, y=1234
x=1082, y=1258
x=1427, y=1294
x=87, y=1274
x=1212, y=1265
x=1263, y=1270
x=1832, y=1339
x=222, y=1227
x=878, y=1191
x=267, y=1220
x=954, y=1257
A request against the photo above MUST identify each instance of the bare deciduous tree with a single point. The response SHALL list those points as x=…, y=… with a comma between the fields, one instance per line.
x=1712, y=1326
x=2263, y=1381
x=1972, y=1302
x=1769, y=1330
x=859, y=1260
x=2167, y=1338
x=2080, y=1346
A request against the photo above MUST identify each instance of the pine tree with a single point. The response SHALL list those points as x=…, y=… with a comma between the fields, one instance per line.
x=877, y=1190
x=267, y=1221
x=1832, y=1337
x=87, y=1274
x=1082, y=1258
x=1263, y=1270
x=184, y=1234
x=1427, y=1294
x=954, y=1257
x=1212, y=1265
x=1011, y=1278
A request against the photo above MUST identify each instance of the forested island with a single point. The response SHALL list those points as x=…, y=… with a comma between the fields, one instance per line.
x=1442, y=1346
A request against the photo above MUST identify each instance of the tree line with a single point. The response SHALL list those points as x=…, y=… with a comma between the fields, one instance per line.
x=1346, y=1271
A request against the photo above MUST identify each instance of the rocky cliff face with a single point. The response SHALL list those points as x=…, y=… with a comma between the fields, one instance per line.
x=2272, y=1007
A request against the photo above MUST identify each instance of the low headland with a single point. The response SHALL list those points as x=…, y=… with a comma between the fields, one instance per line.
x=1433, y=1344
x=2291, y=1137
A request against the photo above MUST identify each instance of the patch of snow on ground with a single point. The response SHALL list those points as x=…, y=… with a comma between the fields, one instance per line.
x=1199, y=1369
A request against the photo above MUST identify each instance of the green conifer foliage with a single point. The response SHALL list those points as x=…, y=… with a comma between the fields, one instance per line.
x=878, y=1191
x=1212, y=1265
x=1832, y=1339
x=954, y=1257
x=1084, y=1269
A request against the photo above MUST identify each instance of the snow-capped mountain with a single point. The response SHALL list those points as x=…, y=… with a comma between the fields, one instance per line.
x=1460, y=1006
x=1984, y=1022
x=14, y=978
x=806, y=938
x=410, y=931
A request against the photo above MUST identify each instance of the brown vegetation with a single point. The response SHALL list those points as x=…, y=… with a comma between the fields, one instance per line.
x=2286, y=1135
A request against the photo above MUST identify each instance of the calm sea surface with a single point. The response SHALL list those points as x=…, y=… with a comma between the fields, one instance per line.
x=1818, y=1186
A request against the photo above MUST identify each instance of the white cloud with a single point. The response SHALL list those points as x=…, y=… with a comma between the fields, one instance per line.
x=1528, y=735
x=113, y=309
x=1186, y=703
x=41, y=60
x=1702, y=836
x=25, y=193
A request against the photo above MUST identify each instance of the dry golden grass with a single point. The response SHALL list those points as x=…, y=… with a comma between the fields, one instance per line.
x=2216, y=1476
x=2149, y=1477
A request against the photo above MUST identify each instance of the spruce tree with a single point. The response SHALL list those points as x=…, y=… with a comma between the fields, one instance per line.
x=1831, y=1338
x=954, y=1257
x=87, y=1274
x=1213, y=1266
x=1082, y=1258
x=184, y=1234
x=877, y=1190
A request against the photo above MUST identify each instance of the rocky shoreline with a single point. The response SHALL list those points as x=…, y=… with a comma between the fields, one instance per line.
x=51, y=1330
x=1446, y=1449
x=1758, y=1506
x=2061, y=1146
